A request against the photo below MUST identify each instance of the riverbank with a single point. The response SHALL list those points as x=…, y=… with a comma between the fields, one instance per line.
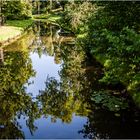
x=116, y=69
x=49, y=17
x=13, y=30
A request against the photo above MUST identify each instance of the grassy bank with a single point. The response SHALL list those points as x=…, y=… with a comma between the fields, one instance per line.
x=48, y=17
x=24, y=24
x=13, y=29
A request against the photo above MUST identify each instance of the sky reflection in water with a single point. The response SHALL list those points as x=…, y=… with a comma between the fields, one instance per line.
x=64, y=109
x=44, y=67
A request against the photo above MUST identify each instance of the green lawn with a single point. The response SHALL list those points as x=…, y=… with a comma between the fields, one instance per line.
x=81, y=36
x=54, y=18
x=49, y=17
x=41, y=16
x=19, y=23
x=8, y=32
x=13, y=28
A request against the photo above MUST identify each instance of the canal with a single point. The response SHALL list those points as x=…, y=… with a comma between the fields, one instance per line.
x=46, y=91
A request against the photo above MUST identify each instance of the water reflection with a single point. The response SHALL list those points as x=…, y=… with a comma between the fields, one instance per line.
x=105, y=125
x=59, y=103
x=46, y=85
x=14, y=101
x=43, y=66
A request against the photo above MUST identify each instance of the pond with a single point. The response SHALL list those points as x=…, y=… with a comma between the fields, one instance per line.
x=47, y=83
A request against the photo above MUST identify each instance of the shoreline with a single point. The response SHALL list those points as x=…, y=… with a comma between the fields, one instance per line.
x=11, y=39
x=16, y=31
x=18, y=27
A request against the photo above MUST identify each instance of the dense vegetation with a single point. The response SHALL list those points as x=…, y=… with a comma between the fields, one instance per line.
x=109, y=31
x=19, y=9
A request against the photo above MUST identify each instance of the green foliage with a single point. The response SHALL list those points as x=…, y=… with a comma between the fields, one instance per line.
x=14, y=101
x=123, y=52
x=17, y=9
x=112, y=36
x=39, y=6
x=109, y=101
x=72, y=93
x=61, y=99
x=77, y=14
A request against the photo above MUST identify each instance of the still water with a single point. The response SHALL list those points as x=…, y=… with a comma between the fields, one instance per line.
x=46, y=84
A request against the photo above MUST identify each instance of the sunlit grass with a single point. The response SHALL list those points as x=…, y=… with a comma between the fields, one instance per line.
x=19, y=23
x=41, y=16
x=49, y=17
x=80, y=36
x=13, y=28
x=54, y=17
x=8, y=32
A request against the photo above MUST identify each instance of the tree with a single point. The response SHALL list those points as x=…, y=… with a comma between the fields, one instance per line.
x=19, y=9
x=109, y=31
x=2, y=17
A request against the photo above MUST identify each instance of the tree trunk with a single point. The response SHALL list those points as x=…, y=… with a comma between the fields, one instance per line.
x=0, y=12
x=2, y=18
x=1, y=55
x=38, y=7
x=50, y=5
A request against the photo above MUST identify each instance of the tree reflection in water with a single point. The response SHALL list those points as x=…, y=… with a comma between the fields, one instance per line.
x=61, y=99
x=102, y=124
x=14, y=101
x=79, y=78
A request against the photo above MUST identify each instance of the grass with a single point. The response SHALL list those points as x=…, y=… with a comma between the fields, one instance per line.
x=54, y=18
x=13, y=28
x=8, y=32
x=41, y=16
x=81, y=36
x=20, y=23
x=48, y=17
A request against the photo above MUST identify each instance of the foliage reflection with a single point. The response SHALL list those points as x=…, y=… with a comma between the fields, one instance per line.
x=75, y=93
